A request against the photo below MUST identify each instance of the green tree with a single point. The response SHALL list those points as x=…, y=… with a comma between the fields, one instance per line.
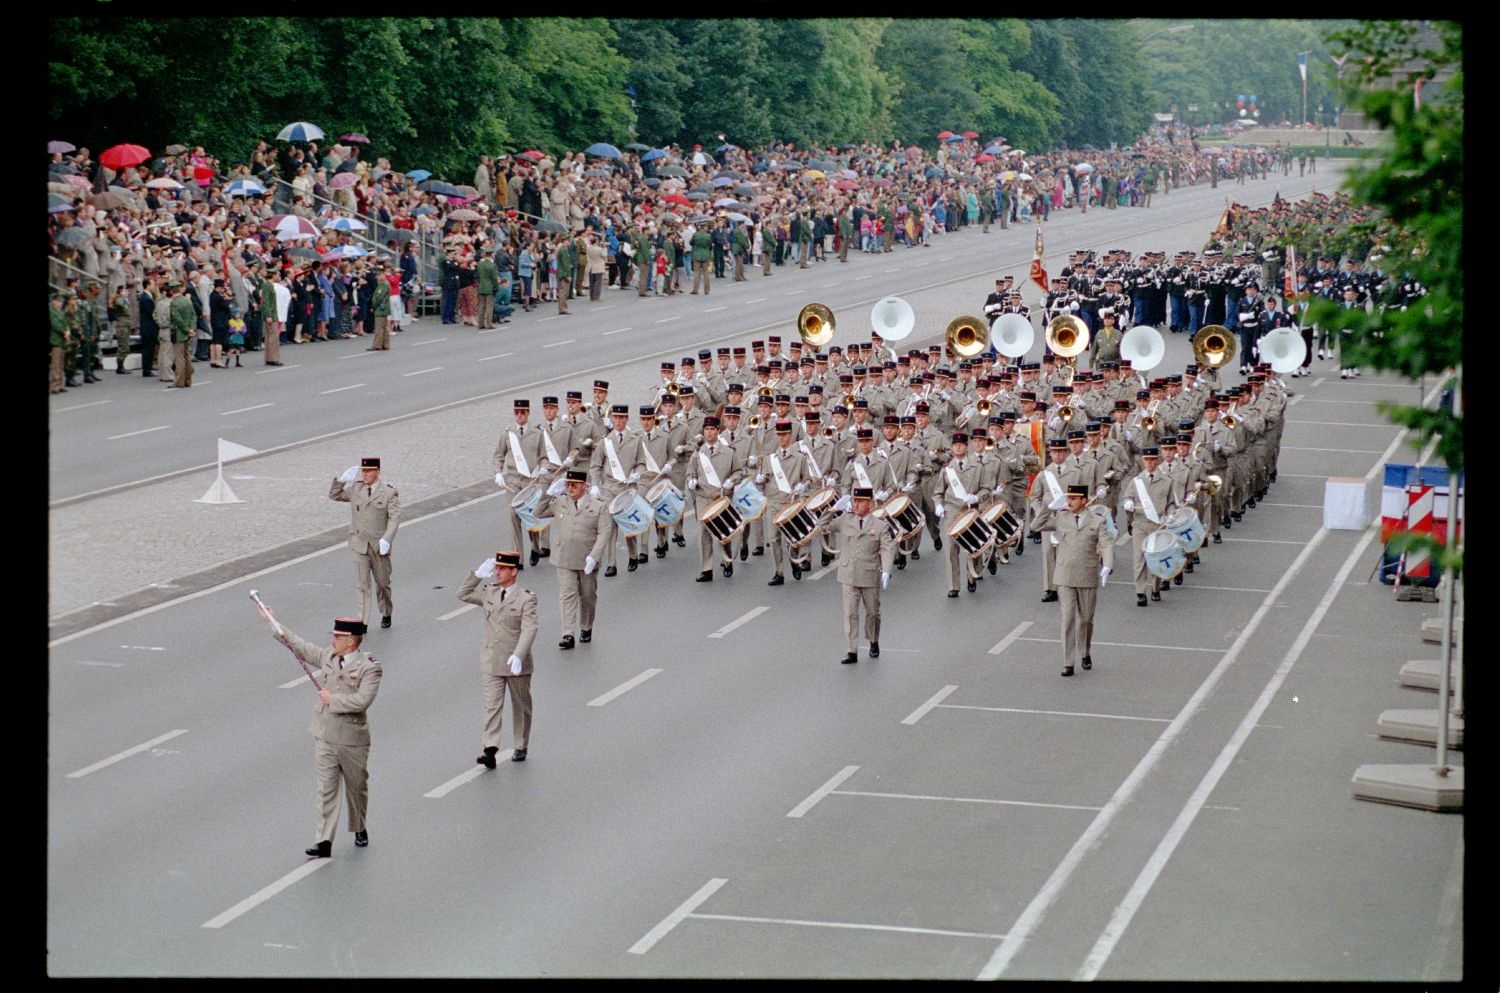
x=724, y=61
x=933, y=93
x=657, y=73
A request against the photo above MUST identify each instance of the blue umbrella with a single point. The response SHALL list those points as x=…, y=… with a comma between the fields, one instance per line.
x=244, y=188
x=440, y=187
x=417, y=175
x=931, y=171
x=655, y=153
x=726, y=148
x=723, y=181
x=995, y=150
x=344, y=224
x=952, y=138
x=346, y=252
x=602, y=150
x=300, y=131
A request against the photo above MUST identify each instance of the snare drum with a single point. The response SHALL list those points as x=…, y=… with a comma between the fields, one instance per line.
x=749, y=500
x=1164, y=554
x=796, y=524
x=1007, y=528
x=525, y=504
x=821, y=500
x=1187, y=526
x=666, y=501
x=631, y=512
x=723, y=520
x=972, y=533
x=904, y=516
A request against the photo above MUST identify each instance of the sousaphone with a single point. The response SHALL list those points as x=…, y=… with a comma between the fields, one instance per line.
x=1213, y=346
x=1144, y=347
x=893, y=318
x=1012, y=335
x=1067, y=337
x=815, y=325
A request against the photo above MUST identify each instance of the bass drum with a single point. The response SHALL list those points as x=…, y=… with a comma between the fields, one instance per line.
x=1164, y=554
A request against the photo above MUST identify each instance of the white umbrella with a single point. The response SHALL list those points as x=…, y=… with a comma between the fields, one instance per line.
x=1083, y=168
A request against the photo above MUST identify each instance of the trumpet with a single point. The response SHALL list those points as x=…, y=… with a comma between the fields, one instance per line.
x=765, y=391
x=848, y=400
x=1230, y=421
x=1149, y=424
x=1066, y=412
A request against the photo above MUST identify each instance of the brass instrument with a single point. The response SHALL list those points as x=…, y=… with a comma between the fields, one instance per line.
x=765, y=391
x=1067, y=337
x=1230, y=421
x=848, y=400
x=753, y=422
x=967, y=336
x=1066, y=412
x=1212, y=485
x=1149, y=424
x=1213, y=346
x=983, y=408
x=815, y=325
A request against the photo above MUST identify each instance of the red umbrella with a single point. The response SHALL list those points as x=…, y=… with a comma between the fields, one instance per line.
x=123, y=156
x=354, y=136
x=676, y=198
x=945, y=134
x=531, y=154
x=984, y=158
x=846, y=184
x=202, y=174
x=971, y=134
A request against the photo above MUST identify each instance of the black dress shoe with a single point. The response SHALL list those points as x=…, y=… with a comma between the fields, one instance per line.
x=1050, y=596
x=1088, y=662
x=972, y=586
x=1177, y=579
x=916, y=555
x=519, y=755
x=728, y=569
x=632, y=565
x=1036, y=537
x=535, y=557
x=611, y=571
x=796, y=571
x=759, y=550
x=642, y=558
x=321, y=850
x=849, y=659
x=874, y=649
x=488, y=758
x=1067, y=670
x=1140, y=599
x=900, y=561
x=1238, y=515
x=586, y=635
x=566, y=643
x=1218, y=540
x=385, y=621
x=777, y=580
x=545, y=553
x=744, y=553
x=1156, y=596
x=705, y=577
x=1227, y=524
x=661, y=551
x=1188, y=567
x=1250, y=504
x=361, y=839
x=826, y=559
x=937, y=543
x=1020, y=548
x=993, y=565
x=679, y=541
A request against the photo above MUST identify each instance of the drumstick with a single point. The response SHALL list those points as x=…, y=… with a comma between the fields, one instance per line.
x=255, y=595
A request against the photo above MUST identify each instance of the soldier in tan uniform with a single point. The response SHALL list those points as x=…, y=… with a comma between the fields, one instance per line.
x=1153, y=494
x=375, y=513
x=510, y=623
x=518, y=460
x=959, y=488
x=1085, y=558
x=867, y=554
x=346, y=680
x=579, y=535
x=784, y=473
x=656, y=450
x=617, y=466
x=1049, y=492
x=712, y=472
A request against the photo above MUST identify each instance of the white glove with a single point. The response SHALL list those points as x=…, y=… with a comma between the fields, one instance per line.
x=760, y=477
x=1128, y=504
x=593, y=491
x=567, y=462
x=385, y=547
x=1104, y=575
x=880, y=495
x=751, y=461
x=692, y=484
x=1216, y=446
x=843, y=503
x=1055, y=422
x=908, y=488
x=938, y=510
x=558, y=485
x=536, y=472
x=681, y=449
x=885, y=577
x=500, y=480
x=635, y=477
x=486, y=569
x=1191, y=498
x=800, y=487
x=589, y=564
x=515, y=665
x=972, y=500
x=666, y=466
x=350, y=474
x=1101, y=491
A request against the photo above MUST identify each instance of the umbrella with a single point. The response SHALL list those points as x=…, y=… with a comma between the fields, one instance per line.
x=673, y=170
x=971, y=134
x=291, y=226
x=531, y=154
x=984, y=158
x=123, y=156
x=61, y=208
x=423, y=211
x=701, y=218
x=345, y=252
x=996, y=149
x=1138, y=155
x=60, y=146
x=175, y=149
x=465, y=214
x=1083, y=169
x=354, y=136
x=597, y=172
x=697, y=196
x=727, y=148
x=1023, y=177
x=113, y=199
x=73, y=237
x=343, y=180
x=848, y=174
x=549, y=226
x=1008, y=175
x=400, y=234
x=945, y=134
x=241, y=188
x=653, y=155
x=703, y=188
x=954, y=137
x=846, y=184
x=744, y=190
x=453, y=201
x=882, y=182
x=304, y=253
x=1017, y=151
x=636, y=146
x=438, y=186
x=652, y=182
x=164, y=183
x=468, y=191
x=417, y=175
x=727, y=202
x=63, y=194
x=701, y=158
x=931, y=171
x=738, y=218
x=675, y=198
x=813, y=174
x=732, y=174
x=344, y=224
x=671, y=218
x=603, y=150
x=723, y=181
x=300, y=131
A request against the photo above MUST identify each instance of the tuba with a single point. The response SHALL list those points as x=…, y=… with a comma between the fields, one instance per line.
x=1144, y=347
x=1067, y=337
x=893, y=319
x=1013, y=335
x=967, y=336
x=815, y=324
x=1213, y=346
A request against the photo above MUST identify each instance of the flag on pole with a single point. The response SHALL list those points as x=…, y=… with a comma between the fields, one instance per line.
x=1339, y=60
x=1039, y=274
x=1289, y=291
x=1302, y=66
x=229, y=451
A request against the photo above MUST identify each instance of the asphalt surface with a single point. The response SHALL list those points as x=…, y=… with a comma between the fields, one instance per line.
x=1182, y=811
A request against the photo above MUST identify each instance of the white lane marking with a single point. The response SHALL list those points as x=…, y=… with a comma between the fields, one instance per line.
x=1056, y=713
x=744, y=618
x=823, y=790
x=616, y=331
x=143, y=648
x=559, y=344
x=283, y=368
x=1129, y=644
x=544, y=320
x=1300, y=506
x=1339, y=424
x=858, y=278
x=714, y=310
x=792, y=293
x=1345, y=451
x=1263, y=541
x=132, y=434
x=419, y=372
x=1320, y=381
x=80, y=406
x=1005, y=642
x=1125, y=911
x=502, y=355
x=756, y=300
x=858, y=927
x=455, y=783
x=826, y=285
x=250, y=903
x=624, y=687
x=111, y=665
x=80, y=773
x=677, y=916
x=892, y=269
x=246, y=410
x=296, y=682
x=341, y=389
x=429, y=341
x=665, y=320
x=455, y=612
x=830, y=567
x=964, y=799
x=355, y=355
x=920, y=712
x=608, y=306
x=1301, y=475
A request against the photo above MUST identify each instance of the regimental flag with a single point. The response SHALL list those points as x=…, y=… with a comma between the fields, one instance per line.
x=1039, y=274
x=1302, y=66
x=1289, y=291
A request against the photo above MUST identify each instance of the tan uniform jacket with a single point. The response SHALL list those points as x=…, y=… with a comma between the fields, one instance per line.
x=375, y=512
x=509, y=624
x=577, y=532
x=1085, y=547
x=864, y=553
x=531, y=450
x=352, y=685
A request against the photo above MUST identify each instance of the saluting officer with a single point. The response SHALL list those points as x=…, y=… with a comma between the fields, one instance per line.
x=374, y=515
x=579, y=534
x=510, y=623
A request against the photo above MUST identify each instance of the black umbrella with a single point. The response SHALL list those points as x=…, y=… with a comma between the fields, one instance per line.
x=74, y=237
x=704, y=188
x=549, y=226
x=697, y=196
x=790, y=166
x=673, y=170
x=439, y=187
x=304, y=253
x=732, y=174
x=744, y=190
x=701, y=218
x=653, y=182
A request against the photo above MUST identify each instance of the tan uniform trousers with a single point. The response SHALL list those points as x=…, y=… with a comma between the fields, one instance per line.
x=164, y=357
x=1077, y=621
x=960, y=562
x=366, y=565
x=55, y=370
x=382, y=333
x=1049, y=562
x=333, y=763
x=578, y=595
x=854, y=596
x=779, y=545
x=486, y=310
x=495, y=688
x=702, y=276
